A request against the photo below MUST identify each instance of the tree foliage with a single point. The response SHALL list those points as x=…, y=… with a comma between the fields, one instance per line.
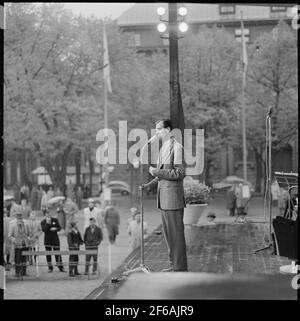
x=210, y=86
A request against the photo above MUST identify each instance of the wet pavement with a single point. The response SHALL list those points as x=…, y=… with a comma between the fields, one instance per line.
x=219, y=249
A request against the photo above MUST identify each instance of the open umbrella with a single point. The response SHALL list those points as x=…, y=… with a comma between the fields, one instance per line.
x=235, y=180
x=8, y=197
x=221, y=185
x=55, y=200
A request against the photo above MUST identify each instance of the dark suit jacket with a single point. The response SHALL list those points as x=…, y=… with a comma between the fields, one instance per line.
x=74, y=240
x=169, y=176
x=92, y=239
x=51, y=237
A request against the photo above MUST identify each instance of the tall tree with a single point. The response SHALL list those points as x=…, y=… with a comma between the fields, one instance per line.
x=210, y=86
x=53, y=79
x=272, y=76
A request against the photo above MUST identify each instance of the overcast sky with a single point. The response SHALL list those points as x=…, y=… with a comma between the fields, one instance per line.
x=101, y=9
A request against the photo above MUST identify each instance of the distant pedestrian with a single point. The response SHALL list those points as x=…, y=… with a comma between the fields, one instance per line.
x=10, y=204
x=26, y=209
x=24, y=192
x=19, y=235
x=135, y=231
x=61, y=215
x=50, y=227
x=283, y=201
x=92, y=238
x=50, y=193
x=17, y=193
x=70, y=190
x=275, y=193
x=241, y=201
x=40, y=196
x=112, y=222
x=74, y=242
x=7, y=248
x=34, y=199
x=58, y=192
x=231, y=200
x=79, y=196
x=133, y=212
x=70, y=209
x=44, y=200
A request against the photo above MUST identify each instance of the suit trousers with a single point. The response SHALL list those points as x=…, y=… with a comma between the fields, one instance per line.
x=57, y=257
x=173, y=229
x=20, y=261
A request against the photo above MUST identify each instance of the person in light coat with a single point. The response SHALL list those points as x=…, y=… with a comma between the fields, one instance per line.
x=135, y=231
x=92, y=212
x=35, y=230
x=20, y=237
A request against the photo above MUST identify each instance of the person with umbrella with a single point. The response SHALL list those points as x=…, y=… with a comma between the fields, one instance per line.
x=58, y=202
x=70, y=209
x=231, y=200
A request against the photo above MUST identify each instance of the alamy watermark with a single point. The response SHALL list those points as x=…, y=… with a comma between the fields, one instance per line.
x=112, y=153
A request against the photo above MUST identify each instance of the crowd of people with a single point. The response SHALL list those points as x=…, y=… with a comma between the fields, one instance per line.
x=237, y=201
x=25, y=221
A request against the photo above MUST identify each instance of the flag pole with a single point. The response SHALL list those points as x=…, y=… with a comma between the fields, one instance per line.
x=243, y=100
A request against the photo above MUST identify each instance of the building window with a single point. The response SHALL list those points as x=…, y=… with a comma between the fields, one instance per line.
x=226, y=9
x=278, y=9
x=238, y=35
x=134, y=39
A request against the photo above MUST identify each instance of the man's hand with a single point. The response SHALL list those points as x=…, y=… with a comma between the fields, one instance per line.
x=52, y=228
x=151, y=169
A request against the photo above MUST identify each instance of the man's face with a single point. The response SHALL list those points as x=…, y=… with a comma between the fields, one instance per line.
x=92, y=223
x=91, y=205
x=138, y=218
x=161, y=131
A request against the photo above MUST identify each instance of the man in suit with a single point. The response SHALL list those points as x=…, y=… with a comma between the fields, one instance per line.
x=50, y=227
x=169, y=176
x=92, y=239
x=20, y=236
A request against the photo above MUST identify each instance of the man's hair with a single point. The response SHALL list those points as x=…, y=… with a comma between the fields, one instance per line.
x=166, y=123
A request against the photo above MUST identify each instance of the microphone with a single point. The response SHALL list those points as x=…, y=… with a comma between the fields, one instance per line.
x=152, y=139
x=270, y=112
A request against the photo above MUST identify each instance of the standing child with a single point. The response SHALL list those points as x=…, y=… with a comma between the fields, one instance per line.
x=74, y=242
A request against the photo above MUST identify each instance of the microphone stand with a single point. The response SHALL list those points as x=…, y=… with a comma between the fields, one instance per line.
x=269, y=171
x=143, y=267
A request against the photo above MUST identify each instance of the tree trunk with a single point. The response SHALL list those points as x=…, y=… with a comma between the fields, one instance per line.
x=78, y=167
x=57, y=168
x=207, y=173
x=259, y=172
x=91, y=167
x=23, y=169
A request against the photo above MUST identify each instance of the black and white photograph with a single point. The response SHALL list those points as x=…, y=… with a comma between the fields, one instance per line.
x=150, y=152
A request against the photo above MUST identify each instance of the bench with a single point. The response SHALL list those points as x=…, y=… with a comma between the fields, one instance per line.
x=60, y=252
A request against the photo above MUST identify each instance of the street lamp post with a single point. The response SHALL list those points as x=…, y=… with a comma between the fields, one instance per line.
x=176, y=110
